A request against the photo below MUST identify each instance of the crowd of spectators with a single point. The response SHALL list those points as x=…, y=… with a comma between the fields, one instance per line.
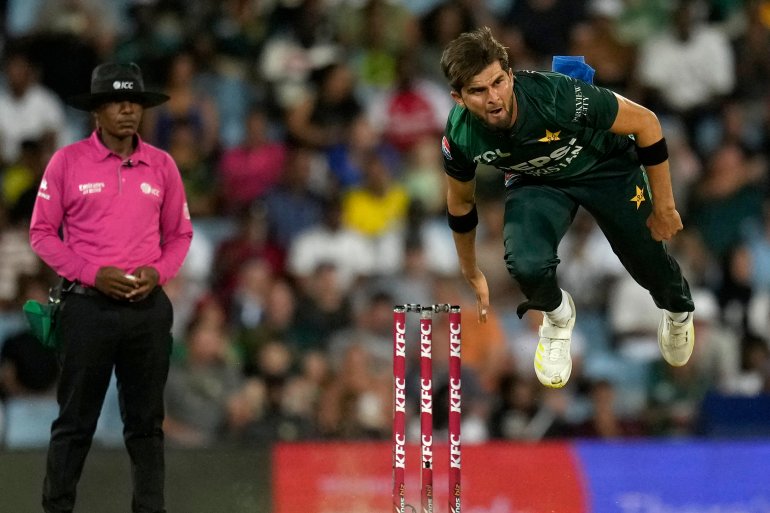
x=308, y=133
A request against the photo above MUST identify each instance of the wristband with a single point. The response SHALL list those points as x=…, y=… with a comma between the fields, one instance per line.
x=465, y=222
x=653, y=154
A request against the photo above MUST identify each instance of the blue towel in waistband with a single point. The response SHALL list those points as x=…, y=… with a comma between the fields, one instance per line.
x=574, y=66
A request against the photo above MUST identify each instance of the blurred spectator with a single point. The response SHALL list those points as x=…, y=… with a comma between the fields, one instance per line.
x=755, y=367
x=386, y=26
x=423, y=177
x=672, y=67
x=633, y=321
x=347, y=157
x=277, y=322
x=154, y=33
x=520, y=413
x=16, y=258
x=371, y=330
x=196, y=170
x=717, y=353
x=727, y=199
x=189, y=106
x=541, y=29
x=21, y=180
x=735, y=291
x=674, y=398
x=752, y=58
x=247, y=171
x=643, y=20
x=356, y=403
x=323, y=118
x=295, y=203
x=302, y=391
x=373, y=53
x=323, y=308
x=604, y=419
x=300, y=42
x=597, y=39
x=200, y=386
x=329, y=242
x=28, y=110
x=444, y=22
x=415, y=281
x=412, y=109
x=279, y=420
x=377, y=209
x=247, y=303
x=250, y=241
x=86, y=20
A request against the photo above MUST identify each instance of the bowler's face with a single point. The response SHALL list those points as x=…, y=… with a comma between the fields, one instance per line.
x=489, y=97
x=120, y=118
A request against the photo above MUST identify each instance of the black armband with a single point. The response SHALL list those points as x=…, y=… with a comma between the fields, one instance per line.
x=653, y=154
x=465, y=222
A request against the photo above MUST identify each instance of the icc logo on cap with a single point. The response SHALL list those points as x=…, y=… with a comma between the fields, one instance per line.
x=122, y=85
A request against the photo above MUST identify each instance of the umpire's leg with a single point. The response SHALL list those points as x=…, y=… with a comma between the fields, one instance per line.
x=86, y=357
x=141, y=369
x=536, y=218
x=620, y=203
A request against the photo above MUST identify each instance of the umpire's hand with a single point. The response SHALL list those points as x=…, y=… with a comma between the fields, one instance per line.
x=146, y=280
x=115, y=283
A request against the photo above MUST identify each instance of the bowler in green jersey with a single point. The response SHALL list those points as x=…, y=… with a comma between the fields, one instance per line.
x=561, y=143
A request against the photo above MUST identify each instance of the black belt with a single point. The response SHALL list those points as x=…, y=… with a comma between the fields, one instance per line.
x=77, y=288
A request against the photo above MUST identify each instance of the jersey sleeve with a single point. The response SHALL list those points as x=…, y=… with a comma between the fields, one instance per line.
x=585, y=105
x=456, y=164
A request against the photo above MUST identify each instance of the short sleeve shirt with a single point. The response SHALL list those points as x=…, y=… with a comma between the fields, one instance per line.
x=561, y=132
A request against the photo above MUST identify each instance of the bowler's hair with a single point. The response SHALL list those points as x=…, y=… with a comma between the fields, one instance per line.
x=468, y=54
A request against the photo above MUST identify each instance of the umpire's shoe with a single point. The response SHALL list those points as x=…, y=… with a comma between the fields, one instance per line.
x=676, y=339
x=553, y=364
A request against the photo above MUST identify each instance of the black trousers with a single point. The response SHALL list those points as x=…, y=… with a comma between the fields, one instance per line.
x=538, y=214
x=97, y=335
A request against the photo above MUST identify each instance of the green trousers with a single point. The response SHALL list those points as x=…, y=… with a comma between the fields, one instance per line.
x=538, y=214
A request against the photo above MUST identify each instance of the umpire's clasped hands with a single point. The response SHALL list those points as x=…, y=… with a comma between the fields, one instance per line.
x=118, y=284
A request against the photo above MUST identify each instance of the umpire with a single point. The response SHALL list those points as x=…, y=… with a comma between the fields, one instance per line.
x=121, y=210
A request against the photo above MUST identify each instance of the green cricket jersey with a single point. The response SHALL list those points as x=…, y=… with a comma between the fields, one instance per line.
x=560, y=132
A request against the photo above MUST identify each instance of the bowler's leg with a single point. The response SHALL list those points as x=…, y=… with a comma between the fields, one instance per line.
x=536, y=219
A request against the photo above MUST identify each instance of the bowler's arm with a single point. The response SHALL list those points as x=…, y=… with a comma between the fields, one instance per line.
x=460, y=201
x=635, y=119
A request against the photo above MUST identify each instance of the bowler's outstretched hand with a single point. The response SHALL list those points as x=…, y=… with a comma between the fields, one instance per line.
x=478, y=282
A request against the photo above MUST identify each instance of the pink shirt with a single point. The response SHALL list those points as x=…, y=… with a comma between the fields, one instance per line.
x=112, y=212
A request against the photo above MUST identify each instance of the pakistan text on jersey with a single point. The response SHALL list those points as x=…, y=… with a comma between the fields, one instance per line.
x=556, y=160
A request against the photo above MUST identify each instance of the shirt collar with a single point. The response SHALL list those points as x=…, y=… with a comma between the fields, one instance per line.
x=103, y=153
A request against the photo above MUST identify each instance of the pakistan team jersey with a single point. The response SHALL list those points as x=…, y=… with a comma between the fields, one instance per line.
x=560, y=132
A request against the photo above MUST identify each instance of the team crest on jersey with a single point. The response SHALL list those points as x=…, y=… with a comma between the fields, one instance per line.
x=550, y=136
x=445, y=148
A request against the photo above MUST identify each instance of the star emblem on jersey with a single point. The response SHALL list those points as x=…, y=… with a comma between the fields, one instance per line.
x=550, y=136
x=639, y=198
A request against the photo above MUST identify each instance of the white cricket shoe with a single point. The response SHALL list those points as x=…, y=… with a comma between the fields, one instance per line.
x=676, y=339
x=553, y=364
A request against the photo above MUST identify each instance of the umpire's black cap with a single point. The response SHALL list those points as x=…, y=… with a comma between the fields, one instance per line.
x=116, y=82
